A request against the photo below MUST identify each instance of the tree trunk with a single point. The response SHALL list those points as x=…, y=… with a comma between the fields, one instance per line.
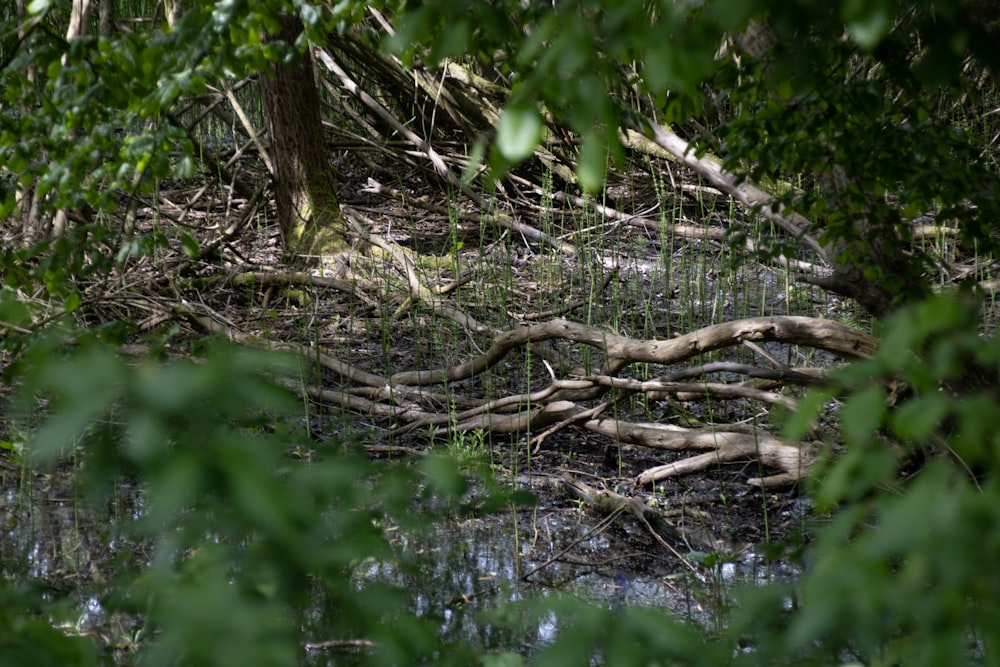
x=304, y=183
x=106, y=18
x=173, y=10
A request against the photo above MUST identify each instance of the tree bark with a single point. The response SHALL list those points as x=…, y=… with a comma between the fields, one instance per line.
x=106, y=18
x=173, y=10
x=304, y=183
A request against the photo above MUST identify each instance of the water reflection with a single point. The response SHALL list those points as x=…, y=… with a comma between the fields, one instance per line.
x=451, y=575
x=468, y=567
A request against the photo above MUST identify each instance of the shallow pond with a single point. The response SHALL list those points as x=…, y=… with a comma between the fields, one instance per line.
x=464, y=567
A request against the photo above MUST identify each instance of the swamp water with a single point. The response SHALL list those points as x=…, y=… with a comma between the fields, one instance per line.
x=464, y=567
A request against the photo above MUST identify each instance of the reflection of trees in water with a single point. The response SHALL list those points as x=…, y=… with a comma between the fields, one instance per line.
x=462, y=569
x=60, y=542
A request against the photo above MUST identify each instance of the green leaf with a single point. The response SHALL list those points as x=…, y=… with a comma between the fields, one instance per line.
x=35, y=642
x=185, y=167
x=444, y=476
x=862, y=415
x=656, y=71
x=799, y=422
x=972, y=440
x=172, y=486
x=854, y=475
x=474, y=161
x=592, y=165
x=84, y=388
x=173, y=388
x=310, y=15
x=189, y=244
x=36, y=7
x=521, y=498
x=452, y=43
x=72, y=302
x=502, y=660
x=12, y=309
x=916, y=419
x=518, y=132
x=868, y=21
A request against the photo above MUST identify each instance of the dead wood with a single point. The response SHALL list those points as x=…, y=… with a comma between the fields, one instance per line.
x=726, y=447
x=634, y=390
x=436, y=115
x=795, y=330
x=687, y=391
x=797, y=226
x=391, y=398
x=285, y=278
x=659, y=525
x=521, y=422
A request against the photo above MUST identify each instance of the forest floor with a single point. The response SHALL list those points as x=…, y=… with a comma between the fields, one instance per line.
x=638, y=281
x=631, y=277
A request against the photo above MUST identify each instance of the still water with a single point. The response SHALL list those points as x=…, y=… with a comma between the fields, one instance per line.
x=455, y=572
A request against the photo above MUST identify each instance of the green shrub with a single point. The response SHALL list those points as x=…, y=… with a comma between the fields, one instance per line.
x=245, y=539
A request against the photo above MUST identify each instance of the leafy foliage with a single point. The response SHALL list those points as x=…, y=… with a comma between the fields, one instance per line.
x=906, y=564
x=246, y=538
x=572, y=57
x=899, y=574
x=246, y=535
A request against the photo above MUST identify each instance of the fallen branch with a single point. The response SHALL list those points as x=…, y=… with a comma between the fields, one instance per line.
x=810, y=331
x=608, y=502
x=726, y=447
x=747, y=194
